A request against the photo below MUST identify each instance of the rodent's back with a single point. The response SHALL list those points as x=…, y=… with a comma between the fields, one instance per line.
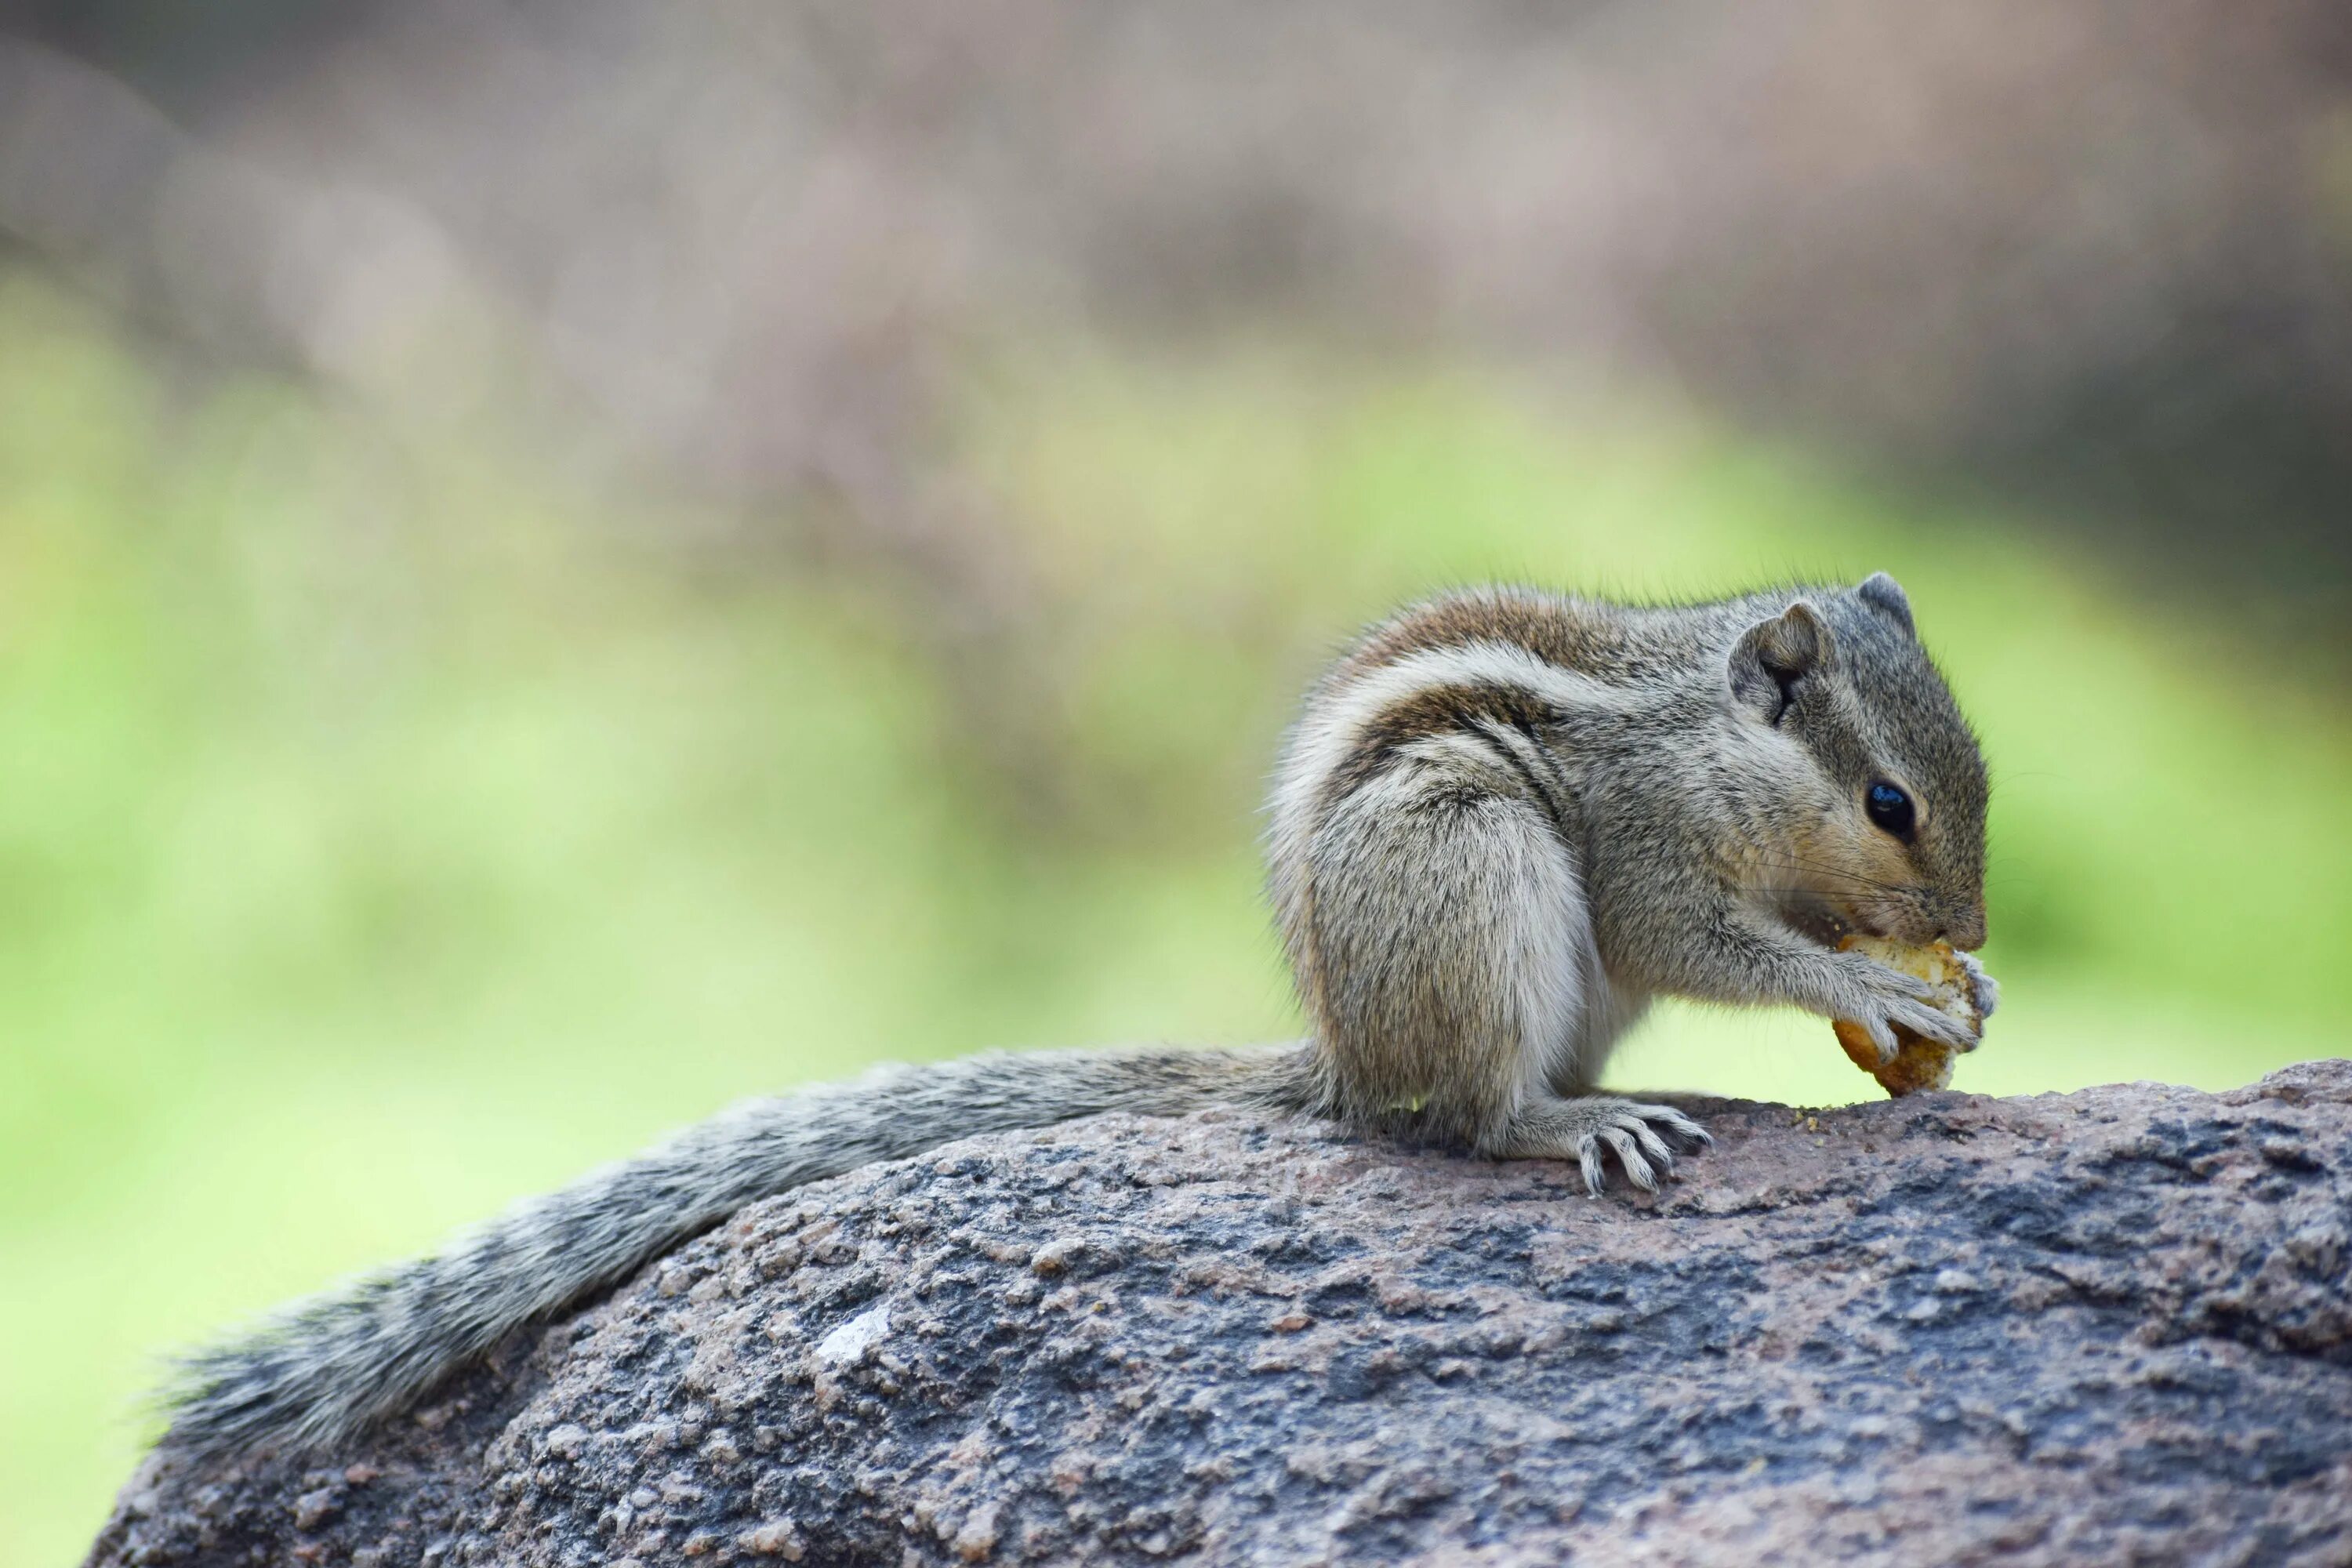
x=1617, y=643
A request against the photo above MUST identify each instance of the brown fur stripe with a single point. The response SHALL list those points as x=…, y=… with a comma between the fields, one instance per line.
x=1435, y=710
x=1545, y=626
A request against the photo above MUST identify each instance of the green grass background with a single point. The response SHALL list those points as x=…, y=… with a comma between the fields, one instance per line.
x=388, y=830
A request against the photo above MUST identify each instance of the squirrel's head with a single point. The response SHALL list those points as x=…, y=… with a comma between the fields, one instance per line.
x=1888, y=837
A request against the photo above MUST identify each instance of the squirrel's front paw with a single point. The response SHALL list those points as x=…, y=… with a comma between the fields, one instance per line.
x=1984, y=990
x=1879, y=998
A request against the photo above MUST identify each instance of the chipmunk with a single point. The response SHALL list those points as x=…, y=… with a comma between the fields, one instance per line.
x=1504, y=821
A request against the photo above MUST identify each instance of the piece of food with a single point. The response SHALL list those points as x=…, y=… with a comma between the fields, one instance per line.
x=1920, y=1063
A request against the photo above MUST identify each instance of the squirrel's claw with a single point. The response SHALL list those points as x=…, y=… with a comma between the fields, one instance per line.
x=1643, y=1139
x=1984, y=990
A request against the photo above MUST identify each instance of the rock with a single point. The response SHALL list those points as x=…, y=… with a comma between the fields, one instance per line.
x=2113, y=1326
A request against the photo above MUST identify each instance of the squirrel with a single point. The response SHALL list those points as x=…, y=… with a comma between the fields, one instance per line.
x=1503, y=822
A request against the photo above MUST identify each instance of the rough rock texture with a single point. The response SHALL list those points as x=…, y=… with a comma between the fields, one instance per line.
x=2105, y=1327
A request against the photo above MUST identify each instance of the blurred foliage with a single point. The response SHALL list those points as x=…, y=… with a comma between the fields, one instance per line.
x=388, y=830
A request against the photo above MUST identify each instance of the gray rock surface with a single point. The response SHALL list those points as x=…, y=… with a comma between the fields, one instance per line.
x=2106, y=1327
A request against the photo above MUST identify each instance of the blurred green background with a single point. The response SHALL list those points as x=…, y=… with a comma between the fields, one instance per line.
x=459, y=717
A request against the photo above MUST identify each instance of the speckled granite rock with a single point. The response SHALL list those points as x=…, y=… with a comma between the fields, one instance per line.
x=2105, y=1327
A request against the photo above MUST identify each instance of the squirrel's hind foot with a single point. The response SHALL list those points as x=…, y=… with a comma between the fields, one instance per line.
x=1644, y=1139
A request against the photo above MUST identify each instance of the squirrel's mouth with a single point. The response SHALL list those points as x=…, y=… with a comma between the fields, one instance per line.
x=1812, y=918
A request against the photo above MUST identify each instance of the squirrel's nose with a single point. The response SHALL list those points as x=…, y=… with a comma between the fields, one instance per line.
x=1966, y=930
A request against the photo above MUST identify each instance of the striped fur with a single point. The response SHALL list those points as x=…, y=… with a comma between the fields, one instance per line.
x=1506, y=820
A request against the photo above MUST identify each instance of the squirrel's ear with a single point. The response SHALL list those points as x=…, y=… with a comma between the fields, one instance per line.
x=1884, y=593
x=1772, y=656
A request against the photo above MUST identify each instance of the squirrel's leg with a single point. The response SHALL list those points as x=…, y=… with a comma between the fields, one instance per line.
x=1444, y=955
x=1580, y=1122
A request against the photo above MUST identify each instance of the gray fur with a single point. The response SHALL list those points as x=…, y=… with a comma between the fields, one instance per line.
x=1503, y=823
x=1884, y=593
x=324, y=1370
x=1507, y=820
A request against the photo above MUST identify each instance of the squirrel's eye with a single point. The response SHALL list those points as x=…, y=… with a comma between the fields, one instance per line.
x=1890, y=808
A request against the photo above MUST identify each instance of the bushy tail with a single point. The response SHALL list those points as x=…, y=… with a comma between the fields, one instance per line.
x=324, y=1370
